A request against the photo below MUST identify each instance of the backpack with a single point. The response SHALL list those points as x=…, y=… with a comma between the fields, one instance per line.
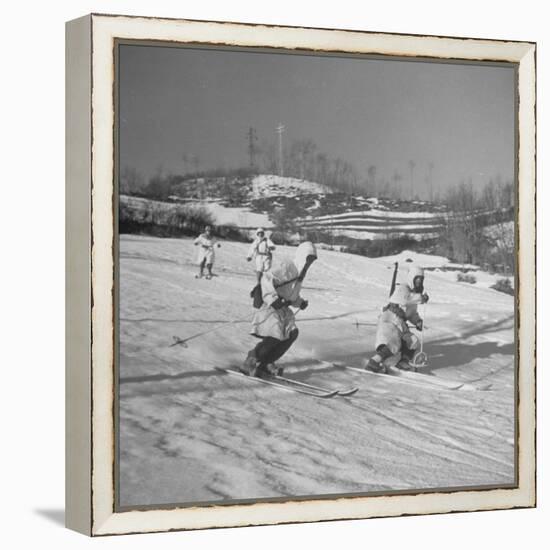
x=256, y=295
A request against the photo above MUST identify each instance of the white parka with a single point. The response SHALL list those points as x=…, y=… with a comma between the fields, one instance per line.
x=281, y=282
x=261, y=250
x=392, y=329
x=206, y=248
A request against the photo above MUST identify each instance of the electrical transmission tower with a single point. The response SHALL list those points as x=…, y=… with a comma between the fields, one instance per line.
x=252, y=139
x=280, y=129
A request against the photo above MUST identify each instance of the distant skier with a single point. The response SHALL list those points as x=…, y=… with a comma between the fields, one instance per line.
x=206, y=256
x=261, y=250
x=274, y=321
x=395, y=343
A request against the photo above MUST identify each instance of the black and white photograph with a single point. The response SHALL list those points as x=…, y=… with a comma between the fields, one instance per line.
x=271, y=275
x=316, y=273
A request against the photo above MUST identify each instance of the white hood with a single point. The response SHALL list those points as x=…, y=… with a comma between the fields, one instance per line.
x=288, y=270
x=414, y=271
x=302, y=252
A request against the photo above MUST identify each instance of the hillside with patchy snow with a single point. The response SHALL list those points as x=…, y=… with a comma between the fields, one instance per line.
x=295, y=207
x=271, y=185
x=189, y=433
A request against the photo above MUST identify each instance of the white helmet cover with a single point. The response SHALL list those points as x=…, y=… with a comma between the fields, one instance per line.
x=302, y=252
x=260, y=230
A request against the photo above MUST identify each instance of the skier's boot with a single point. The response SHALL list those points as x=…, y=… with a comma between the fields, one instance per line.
x=250, y=364
x=406, y=361
x=374, y=366
x=274, y=369
x=405, y=364
x=377, y=363
x=260, y=371
x=253, y=367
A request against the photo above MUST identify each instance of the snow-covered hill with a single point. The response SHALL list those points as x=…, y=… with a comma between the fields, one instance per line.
x=271, y=185
x=190, y=433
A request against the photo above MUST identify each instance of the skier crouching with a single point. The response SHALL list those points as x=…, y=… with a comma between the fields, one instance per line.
x=274, y=321
x=395, y=343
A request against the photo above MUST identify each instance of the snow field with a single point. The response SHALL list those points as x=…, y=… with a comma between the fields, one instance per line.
x=189, y=433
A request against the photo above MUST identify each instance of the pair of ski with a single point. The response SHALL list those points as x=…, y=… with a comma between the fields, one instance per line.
x=417, y=378
x=411, y=378
x=289, y=384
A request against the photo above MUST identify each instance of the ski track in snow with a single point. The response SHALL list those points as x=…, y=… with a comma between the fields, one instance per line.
x=191, y=434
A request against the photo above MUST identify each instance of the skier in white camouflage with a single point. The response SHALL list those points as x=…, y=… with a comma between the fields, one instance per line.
x=274, y=322
x=261, y=251
x=395, y=343
x=206, y=256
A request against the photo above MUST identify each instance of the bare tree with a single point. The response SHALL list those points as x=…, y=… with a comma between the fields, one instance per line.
x=412, y=165
x=397, y=191
x=462, y=228
x=371, y=173
x=196, y=163
x=252, y=148
x=131, y=181
x=308, y=152
x=337, y=166
x=185, y=160
x=280, y=130
x=269, y=159
x=301, y=161
x=348, y=178
x=430, y=181
x=496, y=199
x=384, y=188
x=321, y=168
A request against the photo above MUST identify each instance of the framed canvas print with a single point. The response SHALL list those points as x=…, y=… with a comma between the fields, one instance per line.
x=300, y=274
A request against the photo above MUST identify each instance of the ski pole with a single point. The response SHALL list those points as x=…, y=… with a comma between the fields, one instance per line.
x=183, y=341
x=422, y=331
x=421, y=358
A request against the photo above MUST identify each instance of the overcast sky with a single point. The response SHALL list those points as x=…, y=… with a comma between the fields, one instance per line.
x=368, y=112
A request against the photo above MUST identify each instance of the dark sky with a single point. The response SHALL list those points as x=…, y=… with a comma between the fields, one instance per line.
x=365, y=111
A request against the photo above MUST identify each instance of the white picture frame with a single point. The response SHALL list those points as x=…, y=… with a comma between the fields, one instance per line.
x=91, y=218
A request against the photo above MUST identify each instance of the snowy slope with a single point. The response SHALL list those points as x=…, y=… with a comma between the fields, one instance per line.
x=410, y=256
x=443, y=268
x=189, y=433
x=241, y=217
